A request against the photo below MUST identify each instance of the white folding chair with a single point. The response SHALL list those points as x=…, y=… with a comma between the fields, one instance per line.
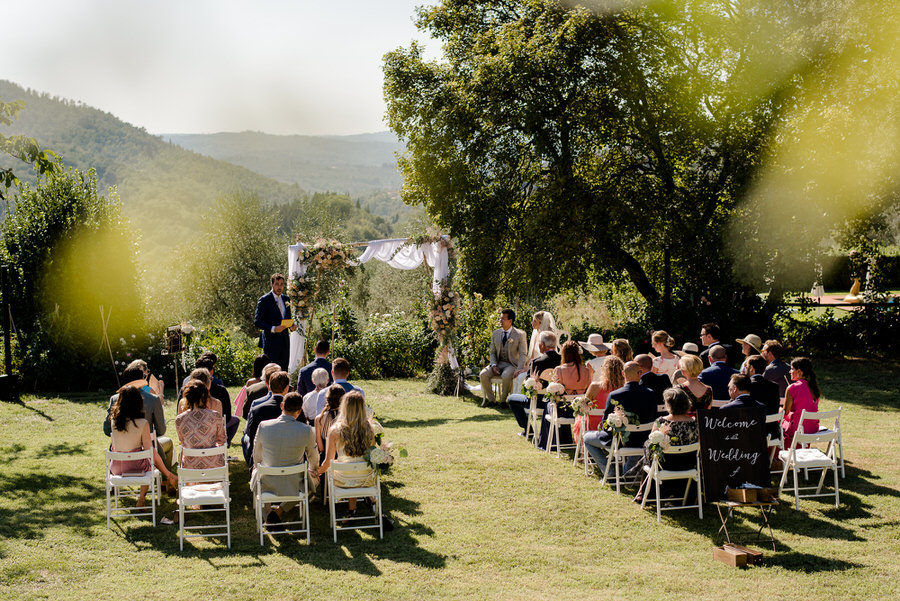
x=262, y=498
x=497, y=387
x=580, y=451
x=127, y=486
x=354, y=470
x=555, y=422
x=775, y=444
x=535, y=415
x=206, y=488
x=656, y=474
x=619, y=453
x=798, y=458
x=838, y=441
x=719, y=403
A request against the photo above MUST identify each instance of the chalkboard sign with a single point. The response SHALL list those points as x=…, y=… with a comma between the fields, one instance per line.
x=732, y=449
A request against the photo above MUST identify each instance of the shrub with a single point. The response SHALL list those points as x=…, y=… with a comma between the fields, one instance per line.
x=235, y=352
x=391, y=346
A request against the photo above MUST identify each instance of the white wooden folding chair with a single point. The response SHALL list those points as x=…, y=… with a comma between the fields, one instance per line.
x=262, y=498
x=799, y=458
x=535, y=413
x=838, y=441
x=580, y=451
x=619, y=453
x=354, y=470
x=776, y=443
x=207, y=489
x=127, y=486
x=555, y=422
x=656, y=474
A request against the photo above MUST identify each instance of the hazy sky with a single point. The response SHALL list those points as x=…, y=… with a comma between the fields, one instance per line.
x=202, y=66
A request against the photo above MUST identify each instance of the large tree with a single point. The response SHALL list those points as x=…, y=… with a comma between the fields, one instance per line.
x=560, y=144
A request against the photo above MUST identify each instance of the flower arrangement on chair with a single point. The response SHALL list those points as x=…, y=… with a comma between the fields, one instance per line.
x=580, y=406
x=531, y=387
x=555, y=392
x=658, y=442
x=616, y=422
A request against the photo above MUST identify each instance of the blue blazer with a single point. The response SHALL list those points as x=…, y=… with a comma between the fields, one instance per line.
x=636, y=399
x=717, y=377
x=268, y=316
x=304, y=378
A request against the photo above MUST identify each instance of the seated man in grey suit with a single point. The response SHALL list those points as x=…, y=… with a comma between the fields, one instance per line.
x=283, y=441
x=508, y=349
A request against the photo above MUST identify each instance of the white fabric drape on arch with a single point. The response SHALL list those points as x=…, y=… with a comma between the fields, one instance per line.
x=396, y=253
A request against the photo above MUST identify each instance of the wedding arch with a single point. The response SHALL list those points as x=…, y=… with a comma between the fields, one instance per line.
x=307, y=262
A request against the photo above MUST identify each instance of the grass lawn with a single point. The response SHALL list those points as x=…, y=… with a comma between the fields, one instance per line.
x=479, y=514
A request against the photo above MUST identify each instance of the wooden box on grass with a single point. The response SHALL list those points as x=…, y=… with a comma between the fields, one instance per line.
x=737, y=556
x=767, y=495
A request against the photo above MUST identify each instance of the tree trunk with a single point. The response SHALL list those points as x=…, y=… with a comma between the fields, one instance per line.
x=638, y=276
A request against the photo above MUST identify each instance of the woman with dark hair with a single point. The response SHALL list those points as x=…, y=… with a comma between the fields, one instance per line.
x=349, y=437
x=327, y=417
x=131, y=433
x=199, y=427
x=802, y=394
x=575, y=377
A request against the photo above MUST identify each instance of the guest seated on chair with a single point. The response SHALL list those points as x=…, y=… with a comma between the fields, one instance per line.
x=305, y=382
x=348, y=439
x=279, y=382
x=633, y=398
x=312, y=405
x=666, y=362
x=284, y=441
x=763, y=390
x=575, y=376
x=255, y=383
x=655, y=382
x=327, y=417
x=508, y=351
x=739, y=392
x=612, y=377
x=198, y=426
x=201, y=374
x=718, y=374
x=681, y=429
x=596, y=347
x=131, y=433
x=777, y=371
x=802, y=394
x=699, y=394
x=548, y=359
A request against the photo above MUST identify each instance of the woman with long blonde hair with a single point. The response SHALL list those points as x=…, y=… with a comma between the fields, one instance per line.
x=612, y=377
x=349, y=437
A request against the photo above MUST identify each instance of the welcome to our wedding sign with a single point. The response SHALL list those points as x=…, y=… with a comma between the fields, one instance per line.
x=732, y=450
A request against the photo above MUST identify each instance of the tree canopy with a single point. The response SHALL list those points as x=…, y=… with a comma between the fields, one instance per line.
x=558, y=144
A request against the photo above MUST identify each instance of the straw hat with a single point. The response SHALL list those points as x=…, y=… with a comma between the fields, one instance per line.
x=753, y=340
x=689, y=348
x=594, y=344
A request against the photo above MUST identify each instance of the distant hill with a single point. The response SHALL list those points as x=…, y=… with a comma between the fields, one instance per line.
x=163, y=187
x=362, y=166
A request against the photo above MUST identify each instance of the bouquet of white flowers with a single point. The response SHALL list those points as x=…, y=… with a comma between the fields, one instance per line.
x=616, y=422
x=381, y=457
x=658, y=442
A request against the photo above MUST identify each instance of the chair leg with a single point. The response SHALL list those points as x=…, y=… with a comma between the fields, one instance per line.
x=618, y=474
x=658, y=501
x=836, y=491
x=796, y=487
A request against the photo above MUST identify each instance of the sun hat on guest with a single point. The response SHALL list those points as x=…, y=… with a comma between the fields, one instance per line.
x=753, y=340
x=689, y=348
x=594, y=344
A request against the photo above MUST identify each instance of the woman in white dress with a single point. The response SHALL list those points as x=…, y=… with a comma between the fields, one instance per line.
x=542, y=321
x=667, y=361
x=349, y=437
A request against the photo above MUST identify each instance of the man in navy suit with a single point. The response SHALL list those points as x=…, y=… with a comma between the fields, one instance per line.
x=763, y=390
x=739, y=393
x=304, y=378
x=279, y=383
x=718, y=374
x=633, y=398
x=658, y=383
x=271, y=309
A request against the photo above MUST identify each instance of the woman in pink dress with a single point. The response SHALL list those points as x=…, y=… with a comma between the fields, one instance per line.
x=575, y=376
x=612, y=377
x=802, y=394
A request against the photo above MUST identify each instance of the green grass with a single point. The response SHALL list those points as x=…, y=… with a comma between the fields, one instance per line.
x=479, y=514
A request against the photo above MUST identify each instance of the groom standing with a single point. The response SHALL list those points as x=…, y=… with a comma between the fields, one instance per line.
x=508, y=346
x=271, y=309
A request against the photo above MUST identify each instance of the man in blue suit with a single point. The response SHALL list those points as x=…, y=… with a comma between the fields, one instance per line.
x=271, y=309
x=633, y=398
x=718, y=374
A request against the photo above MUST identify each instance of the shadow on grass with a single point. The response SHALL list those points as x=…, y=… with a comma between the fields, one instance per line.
x=53, y=450
x=39, y=496
x=440, y=421
x=35, y=409
x=10, y=453
x=806, y=562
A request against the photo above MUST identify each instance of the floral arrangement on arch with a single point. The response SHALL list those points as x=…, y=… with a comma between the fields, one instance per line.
x=658, y=441
x=319, y=256
x=444, y=313
x=616, y=422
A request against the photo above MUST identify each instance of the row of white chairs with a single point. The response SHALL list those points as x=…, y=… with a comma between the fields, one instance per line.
x=802, y=455
x=208, y=491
